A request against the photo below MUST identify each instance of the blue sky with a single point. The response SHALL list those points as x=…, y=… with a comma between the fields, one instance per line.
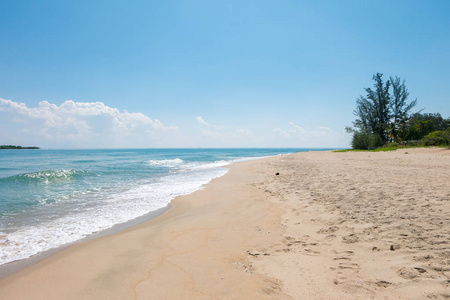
x=210, y=73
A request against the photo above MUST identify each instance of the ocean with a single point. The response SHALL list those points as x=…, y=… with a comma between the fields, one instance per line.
x=51, y=198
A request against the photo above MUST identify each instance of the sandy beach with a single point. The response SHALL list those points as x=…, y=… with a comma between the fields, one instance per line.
x=353, y=225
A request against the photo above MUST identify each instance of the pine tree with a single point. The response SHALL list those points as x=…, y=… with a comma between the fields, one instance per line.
x=380, y=114
x=399, y=107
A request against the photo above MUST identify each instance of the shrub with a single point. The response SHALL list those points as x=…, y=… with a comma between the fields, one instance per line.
x=436, y=138
x=393, y=144
x=365, y=140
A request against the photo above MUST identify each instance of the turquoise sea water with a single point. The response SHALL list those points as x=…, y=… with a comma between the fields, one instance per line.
x=49, y=198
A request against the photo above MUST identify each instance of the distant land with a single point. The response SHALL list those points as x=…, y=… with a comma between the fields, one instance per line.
x=16, y=147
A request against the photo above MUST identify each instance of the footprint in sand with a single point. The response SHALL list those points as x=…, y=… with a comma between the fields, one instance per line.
x=347, y=265
x=350, y=239
x=328, y=230
x=341, y=258
x=311, y=252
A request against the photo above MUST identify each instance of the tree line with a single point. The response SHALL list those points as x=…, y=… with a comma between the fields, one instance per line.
x=385, y=117
x=16, y=147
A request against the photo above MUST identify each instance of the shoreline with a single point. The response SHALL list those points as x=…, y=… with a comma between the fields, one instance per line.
x=330, y=225
x=10, y=268
x=187, y=211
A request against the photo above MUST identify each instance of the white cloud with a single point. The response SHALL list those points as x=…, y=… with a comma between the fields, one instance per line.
x=296, y=128
x=96, y=125
x=294, y=131
x=201, y=121
x=79, y=124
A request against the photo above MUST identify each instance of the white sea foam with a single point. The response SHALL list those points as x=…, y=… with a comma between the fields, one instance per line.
x=164, y=162
x=114, y=209
x=48, y=176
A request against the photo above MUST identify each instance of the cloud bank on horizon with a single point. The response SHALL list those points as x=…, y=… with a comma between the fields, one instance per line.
x=96, y=125
x=78, y=124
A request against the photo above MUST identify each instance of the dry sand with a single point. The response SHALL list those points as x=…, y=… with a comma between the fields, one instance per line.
x=352, y=225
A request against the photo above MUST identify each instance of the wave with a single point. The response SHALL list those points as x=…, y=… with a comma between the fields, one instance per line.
x=110, y=209
x=46, y=176
x=164, y=162
x=85, y=161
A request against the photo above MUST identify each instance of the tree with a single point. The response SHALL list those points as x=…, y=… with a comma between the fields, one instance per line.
x=399, y=107
x=419, y=125
x=381, y=113
x=373, y=110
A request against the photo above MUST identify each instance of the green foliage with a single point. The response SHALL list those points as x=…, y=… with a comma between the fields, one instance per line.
x=419, y=125
x=383, y=118
x=416, y=130
x=393, y=144
x=381, y=149
x=381, y=113
x=373, y=110
x=437, y=122
x=389, y=148
x=399, y=107
x=366, y=140
x=437, y=138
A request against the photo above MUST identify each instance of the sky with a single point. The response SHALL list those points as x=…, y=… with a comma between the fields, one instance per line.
x=157, y=74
